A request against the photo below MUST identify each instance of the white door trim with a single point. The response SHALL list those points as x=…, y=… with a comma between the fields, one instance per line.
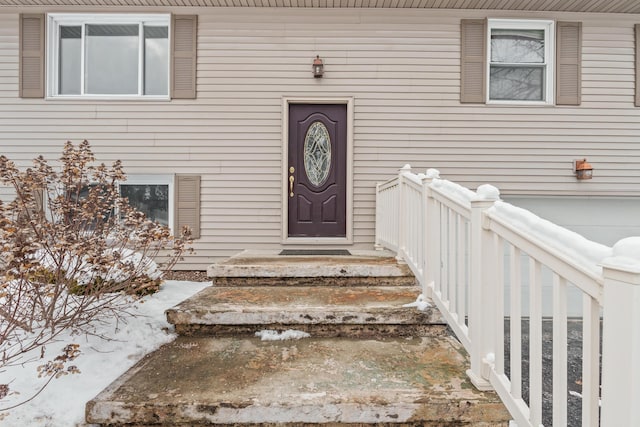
x=348, y=239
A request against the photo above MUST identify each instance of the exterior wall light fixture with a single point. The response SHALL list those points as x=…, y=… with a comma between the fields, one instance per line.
x=318, y=67
x=583, y=169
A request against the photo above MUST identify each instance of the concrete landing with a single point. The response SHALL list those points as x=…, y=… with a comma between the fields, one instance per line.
x=323, y=311
x=394, y=381
x=259, y=268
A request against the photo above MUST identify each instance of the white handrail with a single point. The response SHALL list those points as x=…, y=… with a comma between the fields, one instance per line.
x=467, y=250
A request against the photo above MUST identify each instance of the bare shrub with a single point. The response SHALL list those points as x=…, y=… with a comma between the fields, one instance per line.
x=72, y=252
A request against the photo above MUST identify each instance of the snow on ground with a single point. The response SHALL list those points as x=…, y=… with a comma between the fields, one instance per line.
x=62, y=402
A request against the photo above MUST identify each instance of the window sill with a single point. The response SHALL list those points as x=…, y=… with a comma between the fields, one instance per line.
x=108, y=98
x=522, y=103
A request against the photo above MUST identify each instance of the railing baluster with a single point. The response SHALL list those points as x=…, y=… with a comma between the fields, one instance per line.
x=427, y=238
x=444, y=251
x=417, y=231
x=394, y=228
x=498, y=243
x=515, y=329
x=590, y=359
x=451, y=257
x=419, y=236
x=535, y=341
x=465, y=292
x=559, y=350
x=432, y=246
x=402, y=212
x=410, y=231
x=458, y=290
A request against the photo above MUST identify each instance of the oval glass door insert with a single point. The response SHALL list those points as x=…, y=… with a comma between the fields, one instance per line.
x=317, y=153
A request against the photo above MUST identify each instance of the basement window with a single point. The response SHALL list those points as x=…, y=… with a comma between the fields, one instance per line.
x=151, y=195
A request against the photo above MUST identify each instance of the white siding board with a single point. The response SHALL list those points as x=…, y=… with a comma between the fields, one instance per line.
x=402, y=69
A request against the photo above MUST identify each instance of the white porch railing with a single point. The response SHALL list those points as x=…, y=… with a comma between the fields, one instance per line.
x=486, y=263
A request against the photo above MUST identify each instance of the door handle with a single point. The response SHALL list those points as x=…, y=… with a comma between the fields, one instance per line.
x=291, y=179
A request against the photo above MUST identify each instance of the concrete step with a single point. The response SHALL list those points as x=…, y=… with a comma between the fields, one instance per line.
x=369, y=360
x=321, y=311
x=316, y=381
x=364, y=268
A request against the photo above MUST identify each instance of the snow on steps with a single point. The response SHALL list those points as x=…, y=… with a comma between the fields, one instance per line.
x=373, y=358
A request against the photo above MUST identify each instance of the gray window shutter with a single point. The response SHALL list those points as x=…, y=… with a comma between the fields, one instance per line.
x=568, y=63
x=183, y=56
x=31, y=74
x=38, y=195
x=187, y=200
x=473, y=60
x=637, y=65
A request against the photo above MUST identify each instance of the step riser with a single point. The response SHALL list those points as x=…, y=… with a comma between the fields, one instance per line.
x=318, y=330
x=315, y=281
x=405, y=316
x=296, y=424
x=435, y=414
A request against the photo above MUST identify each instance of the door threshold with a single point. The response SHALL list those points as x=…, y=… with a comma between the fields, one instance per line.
x=315, y=252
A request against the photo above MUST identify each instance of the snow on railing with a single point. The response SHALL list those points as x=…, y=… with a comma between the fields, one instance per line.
x=486, y=265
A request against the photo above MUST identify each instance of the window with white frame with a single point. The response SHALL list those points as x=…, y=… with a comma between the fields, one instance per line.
x=520, y=61
x=108, y=55
x=151, y=195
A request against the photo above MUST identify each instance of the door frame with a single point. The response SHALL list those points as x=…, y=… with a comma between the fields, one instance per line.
x=348, y=239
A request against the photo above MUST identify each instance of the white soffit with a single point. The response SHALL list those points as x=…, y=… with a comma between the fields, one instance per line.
x=588, y=6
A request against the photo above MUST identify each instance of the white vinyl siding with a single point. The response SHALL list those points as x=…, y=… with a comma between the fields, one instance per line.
x=403, y=70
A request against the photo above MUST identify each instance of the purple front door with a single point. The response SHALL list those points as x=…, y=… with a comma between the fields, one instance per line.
x=317, y=170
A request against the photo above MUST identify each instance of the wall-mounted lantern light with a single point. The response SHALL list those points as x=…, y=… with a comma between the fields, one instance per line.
x=583, y=169
x=318, y=67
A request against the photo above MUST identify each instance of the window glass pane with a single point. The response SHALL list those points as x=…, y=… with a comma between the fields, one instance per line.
x=516, y=83
x=70, y=60
x=150, y=199
x=156, y=60
x=317, y=153
x=80, y=199
x=517, y=46
x=111, y=59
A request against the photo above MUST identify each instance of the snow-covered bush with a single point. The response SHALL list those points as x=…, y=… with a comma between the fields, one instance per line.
x=72, y=250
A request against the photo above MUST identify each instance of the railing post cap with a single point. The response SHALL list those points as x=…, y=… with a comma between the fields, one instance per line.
x=487, y=192
x=625, y=259
x=432, y=173
x=406, y=168
x=628, y=247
